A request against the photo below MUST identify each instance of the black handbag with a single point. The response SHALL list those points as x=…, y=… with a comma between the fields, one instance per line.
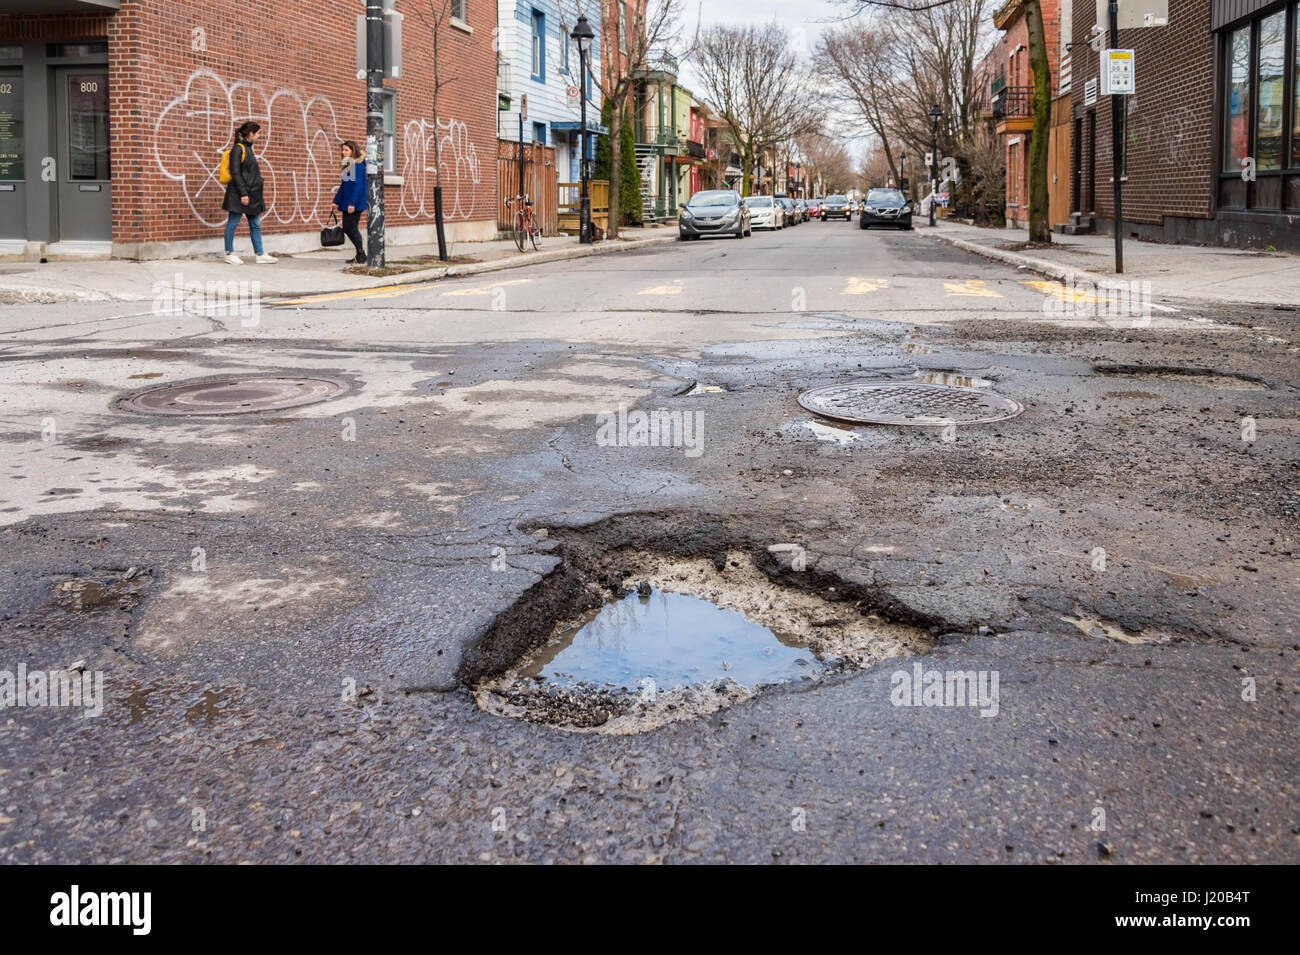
x=332, y=235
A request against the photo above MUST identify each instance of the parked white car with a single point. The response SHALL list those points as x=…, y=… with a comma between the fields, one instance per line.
x=764, y=213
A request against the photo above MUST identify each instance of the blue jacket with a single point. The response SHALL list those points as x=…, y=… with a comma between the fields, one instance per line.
x=352, y=190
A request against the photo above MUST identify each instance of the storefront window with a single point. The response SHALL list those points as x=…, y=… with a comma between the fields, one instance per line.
x=1272, y=94
x=1236, y=133
x=1295, y=81
x=11, y=125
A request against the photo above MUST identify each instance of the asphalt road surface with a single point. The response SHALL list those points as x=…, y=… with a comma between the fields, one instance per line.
x=287, y=608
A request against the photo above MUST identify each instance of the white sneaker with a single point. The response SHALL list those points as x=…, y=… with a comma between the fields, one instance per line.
x=234, y=259
x=265, y=259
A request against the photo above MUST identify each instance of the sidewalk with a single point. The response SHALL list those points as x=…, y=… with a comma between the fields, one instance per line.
x=306, y=273
x=1205, y=273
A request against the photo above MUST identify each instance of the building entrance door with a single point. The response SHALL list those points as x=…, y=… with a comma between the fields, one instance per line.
x=85, y=201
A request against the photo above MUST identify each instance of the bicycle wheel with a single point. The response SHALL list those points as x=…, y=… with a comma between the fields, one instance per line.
x=535, y=234
x=519, y=231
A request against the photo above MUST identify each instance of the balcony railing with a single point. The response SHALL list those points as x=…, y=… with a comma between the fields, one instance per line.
x=1013, y=102
x=659, y=136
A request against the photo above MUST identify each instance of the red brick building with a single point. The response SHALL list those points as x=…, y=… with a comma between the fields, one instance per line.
x=1212, y=136
x=114, y=114
x=1010, y=97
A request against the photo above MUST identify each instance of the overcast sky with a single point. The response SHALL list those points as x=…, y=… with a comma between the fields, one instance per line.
x=804, y=19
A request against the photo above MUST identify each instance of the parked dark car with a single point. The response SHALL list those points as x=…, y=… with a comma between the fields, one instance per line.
x=714, y=212
x=886, y=207
x=791, y=210
x=804, y=214
x=836, y=207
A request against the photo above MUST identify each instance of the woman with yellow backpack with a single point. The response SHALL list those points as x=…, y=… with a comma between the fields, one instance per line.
x=243, y=191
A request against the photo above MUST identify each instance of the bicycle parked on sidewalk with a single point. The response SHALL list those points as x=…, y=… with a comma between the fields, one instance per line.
x=525, y=223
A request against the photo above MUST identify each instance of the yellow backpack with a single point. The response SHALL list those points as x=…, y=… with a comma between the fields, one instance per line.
x=223, y=173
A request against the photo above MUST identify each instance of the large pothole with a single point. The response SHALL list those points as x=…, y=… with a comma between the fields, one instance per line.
x=634, y=639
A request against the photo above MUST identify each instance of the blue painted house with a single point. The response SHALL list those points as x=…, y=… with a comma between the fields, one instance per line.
x=537, y=58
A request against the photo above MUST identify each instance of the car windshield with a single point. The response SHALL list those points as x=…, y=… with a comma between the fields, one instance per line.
x=837, y=198
x=760, y=202
x=884, y=195
x=708, y=200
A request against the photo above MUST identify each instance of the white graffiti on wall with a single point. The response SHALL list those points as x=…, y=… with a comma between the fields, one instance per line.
x=460, y=169
x=298, y=154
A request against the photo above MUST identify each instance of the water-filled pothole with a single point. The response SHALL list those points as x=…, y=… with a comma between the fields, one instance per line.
x=660, y=638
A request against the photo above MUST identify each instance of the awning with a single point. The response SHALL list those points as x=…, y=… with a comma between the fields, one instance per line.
x=60, y=6
x=569, y=126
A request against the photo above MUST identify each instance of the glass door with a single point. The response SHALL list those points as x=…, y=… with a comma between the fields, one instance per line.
x=84, y=186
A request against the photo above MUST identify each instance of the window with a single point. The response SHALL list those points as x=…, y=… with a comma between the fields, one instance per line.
x=390, y=131
x=88, y=127
x=1236, y=113
x=565, y=42
x=539, y=46
x=458, y=11
x=1271, y=96
x=622, y=30
x=11, y=125
x=539, y=133
x=1295, y=98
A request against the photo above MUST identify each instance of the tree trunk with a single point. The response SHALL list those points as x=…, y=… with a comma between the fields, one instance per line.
x=746, y=170
x=615, y=170
x=1040, y=226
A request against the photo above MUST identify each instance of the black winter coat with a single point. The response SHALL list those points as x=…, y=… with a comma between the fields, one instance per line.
x=245, y=180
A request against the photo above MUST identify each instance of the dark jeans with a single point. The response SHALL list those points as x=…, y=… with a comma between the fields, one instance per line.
x=350, y=220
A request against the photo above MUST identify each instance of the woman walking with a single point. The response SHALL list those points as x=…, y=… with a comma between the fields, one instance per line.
x=244, y=193
x=350, y=199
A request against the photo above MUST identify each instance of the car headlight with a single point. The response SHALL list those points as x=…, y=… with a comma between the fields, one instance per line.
x=686, y=214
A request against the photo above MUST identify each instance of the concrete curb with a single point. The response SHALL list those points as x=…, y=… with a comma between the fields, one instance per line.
x=421, y=276
x=22, y=295
x=1062, y=273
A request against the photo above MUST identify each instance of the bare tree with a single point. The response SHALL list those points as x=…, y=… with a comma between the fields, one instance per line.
x=434, y=20
x=754, y=81
x=653, y=30
x=827, y=155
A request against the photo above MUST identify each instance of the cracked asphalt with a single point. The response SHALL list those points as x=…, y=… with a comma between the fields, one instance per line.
x=284, y=606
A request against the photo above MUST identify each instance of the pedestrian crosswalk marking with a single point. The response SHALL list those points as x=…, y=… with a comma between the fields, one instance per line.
x=486, y=290
x=974, y=288
x=861, y=286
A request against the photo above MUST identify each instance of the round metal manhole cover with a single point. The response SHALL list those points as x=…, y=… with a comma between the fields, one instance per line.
x=236, y=394
x=910, y=403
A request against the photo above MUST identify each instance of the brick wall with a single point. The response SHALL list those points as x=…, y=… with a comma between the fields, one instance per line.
x=185, y=73
x=1170, y=134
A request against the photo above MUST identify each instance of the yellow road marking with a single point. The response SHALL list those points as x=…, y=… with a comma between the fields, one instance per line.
x=1064, y=293
x=674, y=289
x=487, y=290
x=861, y=286
x=379, y=291
x=974, y=288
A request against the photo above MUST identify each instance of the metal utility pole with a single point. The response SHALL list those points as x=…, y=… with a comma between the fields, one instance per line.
x=375, y=132
x=935, y=113
x=1118, y=104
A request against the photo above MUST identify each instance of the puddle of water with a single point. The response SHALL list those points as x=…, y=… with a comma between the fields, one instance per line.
x=948, y=378
x=674, y=640
x=839, y=433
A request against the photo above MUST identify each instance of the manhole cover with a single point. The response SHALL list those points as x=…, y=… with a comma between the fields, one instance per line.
x=909, y=403
x=234, y=395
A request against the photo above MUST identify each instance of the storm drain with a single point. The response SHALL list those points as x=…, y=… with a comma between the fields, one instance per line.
x=241, y=394
x=916, y=404
x=663, y=638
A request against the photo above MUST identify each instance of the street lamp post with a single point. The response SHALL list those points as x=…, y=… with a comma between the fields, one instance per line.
x=583, y=34
x=935, y=113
